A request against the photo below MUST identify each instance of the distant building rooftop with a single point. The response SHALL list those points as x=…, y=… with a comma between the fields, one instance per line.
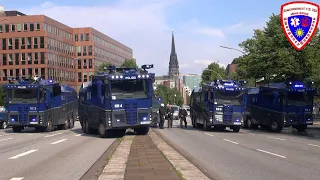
x=14, y=13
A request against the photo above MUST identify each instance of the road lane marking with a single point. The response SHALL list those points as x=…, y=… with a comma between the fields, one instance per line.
x=276, y=138
x=23, y=154
x=17, y=178
x=52, y=135
x=314, y=145
x=5, y=139
x=78, y=135
x=230, y=141
x=59, y=141
x=252, y=133
x=209, y=134
x=267, y=152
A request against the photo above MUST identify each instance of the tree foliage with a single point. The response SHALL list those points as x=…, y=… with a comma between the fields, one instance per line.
x=213, y=72
x=269, y=53
x=169, y=95
x=2, y=96
x=102, y=66
x=129, y=63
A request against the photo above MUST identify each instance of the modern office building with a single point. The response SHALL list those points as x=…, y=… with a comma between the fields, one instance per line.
x=39, y=45
x=192, y=80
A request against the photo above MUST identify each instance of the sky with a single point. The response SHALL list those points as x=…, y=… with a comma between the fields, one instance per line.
x=200, y=26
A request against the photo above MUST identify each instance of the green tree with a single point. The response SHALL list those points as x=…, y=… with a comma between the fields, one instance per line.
x=213, y=72
x=129, y=63
x=269, y=53
x=102, y=66
x=169, y=95
x=2, y=96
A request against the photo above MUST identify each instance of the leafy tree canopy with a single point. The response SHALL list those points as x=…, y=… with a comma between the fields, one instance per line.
x=101, y=67
x=169, y=95
x=269, y=53
x=213, y=72
x=129, y=63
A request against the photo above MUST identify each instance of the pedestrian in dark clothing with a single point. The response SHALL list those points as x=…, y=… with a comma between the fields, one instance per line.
x=162, y=113
x=170, y=120
x=183, y=116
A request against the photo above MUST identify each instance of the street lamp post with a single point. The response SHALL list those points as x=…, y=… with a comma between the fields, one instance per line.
x=213, y=71
x=225, y=47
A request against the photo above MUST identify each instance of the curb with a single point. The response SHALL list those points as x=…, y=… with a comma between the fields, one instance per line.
x=116, y=167
x=187, y=169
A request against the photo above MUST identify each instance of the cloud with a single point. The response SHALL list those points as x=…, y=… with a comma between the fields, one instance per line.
x=207, y=62
x=144, y=27
x=244, y=27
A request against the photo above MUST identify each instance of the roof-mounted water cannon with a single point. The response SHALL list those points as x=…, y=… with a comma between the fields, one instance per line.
x=146, y=66
x=111, y=69
x=242, y=82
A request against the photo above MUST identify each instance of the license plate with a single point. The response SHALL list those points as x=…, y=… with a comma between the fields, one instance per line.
x=237, y=123
x=145, y=122
x=33, y=122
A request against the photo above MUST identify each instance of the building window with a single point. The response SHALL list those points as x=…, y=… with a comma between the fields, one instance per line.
x=42, y=58
x=38, y=27
x=7, y=28
x=31, y=27
x=4, y=44
x=79, y=50
x=84, y=50
x=43, y=73
x=35, y=58
x=85, y=64
x=10, y=43
x=90, y=50
x=16, y=43
x=79, y=77
x=35, y=42
x=90, y=63
x=76, y=37
x=1, y=28
x=41, y=42
x=79, y=63
x=17, y=73
x=87, y=37
x=29, y=58
x=13, y=27
x=81, y=37
x=29, y=42
x=19, y=27
x=23, y=58
x=16, y=59
x=4, y=59
x=23, y=43
x=10, y=59
x=25, y=27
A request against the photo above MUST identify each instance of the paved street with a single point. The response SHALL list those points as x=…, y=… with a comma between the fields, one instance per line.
x=59, y=155
x=250, y=154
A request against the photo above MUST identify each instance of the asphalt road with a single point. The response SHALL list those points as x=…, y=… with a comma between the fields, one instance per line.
x=58, y=155
x=250, y=154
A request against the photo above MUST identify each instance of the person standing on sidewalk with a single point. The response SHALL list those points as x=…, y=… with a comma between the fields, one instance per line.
x=170, y=120
x=162, y=113
x=183, y=116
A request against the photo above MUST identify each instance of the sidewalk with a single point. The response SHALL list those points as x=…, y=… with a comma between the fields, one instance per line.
x=148, y=157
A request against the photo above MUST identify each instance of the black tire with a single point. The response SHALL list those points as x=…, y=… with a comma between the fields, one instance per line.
x=17, y=129
x=193, y=122
x=65, y=126
x=3, y=125
x=236, y=128
x=102, y=130
x=245, y=123
x=142, y=130
x=275, y=127
x=49, y=126
x=205, y=125
x=302, y=128
x=86, y=127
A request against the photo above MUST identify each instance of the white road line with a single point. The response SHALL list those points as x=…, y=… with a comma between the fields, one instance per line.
x=252, y=134
x=270, y=153
x=59, y=141
x=5, y=139
x=1, y=135
x=208, y=134
x=23, y=154
x=78, y=135
x=231, y=141
x=17, y=178
x=52, y=135
x=276, y=138
x=314, y=145
x=30, y=134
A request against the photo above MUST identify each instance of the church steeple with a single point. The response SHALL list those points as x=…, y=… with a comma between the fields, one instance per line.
x=173, y=63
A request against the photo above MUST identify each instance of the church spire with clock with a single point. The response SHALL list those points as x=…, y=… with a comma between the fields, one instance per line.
x=173, y=63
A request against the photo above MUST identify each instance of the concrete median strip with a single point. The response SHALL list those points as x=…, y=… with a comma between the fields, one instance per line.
x=116, y=167
x=182, y=165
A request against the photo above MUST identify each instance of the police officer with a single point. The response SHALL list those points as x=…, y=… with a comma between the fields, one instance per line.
x=162, y=113
x=170, y=120
x=183, y=116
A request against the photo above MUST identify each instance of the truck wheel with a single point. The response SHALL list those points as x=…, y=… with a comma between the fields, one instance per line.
x=87, y=128
x=65, y=125
x=275, y=127
x=83, y=126
x=72, y=122
x=301, y=128
x=205, y=126
x=17, y=129
x=236, y=128
x=245, y=122
x=3, y=125
x=49, y=126
x=102, y=130
x=142, y=130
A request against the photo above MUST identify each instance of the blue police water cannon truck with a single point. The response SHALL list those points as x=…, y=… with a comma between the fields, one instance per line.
x=42, y=104
x=117, y=99
x=218, y=104
x=278, y=105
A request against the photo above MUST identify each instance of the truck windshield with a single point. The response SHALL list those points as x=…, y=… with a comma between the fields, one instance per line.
x=229, y=97
x=299, y=98
x=22, y=95
x=129, y=89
